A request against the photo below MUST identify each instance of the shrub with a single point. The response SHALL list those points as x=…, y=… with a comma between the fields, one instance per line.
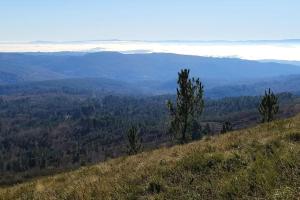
x=233, y=163
x=294, y=137
x=155, y=187
x=199, y=163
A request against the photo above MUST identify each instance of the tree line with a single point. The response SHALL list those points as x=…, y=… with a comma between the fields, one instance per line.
x=186, y=111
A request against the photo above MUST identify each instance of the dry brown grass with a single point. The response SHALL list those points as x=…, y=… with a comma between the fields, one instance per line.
x=260, y=162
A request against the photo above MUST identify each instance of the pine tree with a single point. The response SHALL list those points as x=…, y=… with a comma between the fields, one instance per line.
x=196, y=130
x=134, y=145
x=227, y=126
x=269, y=106
x=207, y=130
x=189, y=105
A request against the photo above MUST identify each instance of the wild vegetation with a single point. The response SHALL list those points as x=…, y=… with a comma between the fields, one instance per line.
x=257, y=163
x=269, y=106
x=52, y=131
x=59, y=129
x=189, y=106
x=134, y=144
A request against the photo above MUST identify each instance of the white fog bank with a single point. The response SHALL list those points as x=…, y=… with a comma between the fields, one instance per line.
x=280, y=50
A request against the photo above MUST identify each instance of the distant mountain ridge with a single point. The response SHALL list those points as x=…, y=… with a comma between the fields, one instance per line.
x=151, y=74
x=133, y=67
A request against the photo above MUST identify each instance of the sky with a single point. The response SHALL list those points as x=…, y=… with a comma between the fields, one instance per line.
x=73, y=20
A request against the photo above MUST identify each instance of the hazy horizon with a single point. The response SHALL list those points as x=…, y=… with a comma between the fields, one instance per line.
x=251, y=50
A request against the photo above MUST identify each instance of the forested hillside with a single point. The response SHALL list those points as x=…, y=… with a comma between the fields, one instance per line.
x=54, y=130
x=257, y=163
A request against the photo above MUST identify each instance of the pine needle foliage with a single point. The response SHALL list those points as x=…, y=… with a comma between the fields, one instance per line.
x=268, y=107
x=134, y=145
x=189, y=106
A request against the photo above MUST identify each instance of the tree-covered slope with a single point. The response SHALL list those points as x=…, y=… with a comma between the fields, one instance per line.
x=261, y=162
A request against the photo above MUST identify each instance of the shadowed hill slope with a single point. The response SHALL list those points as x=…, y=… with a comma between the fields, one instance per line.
x=261, y=162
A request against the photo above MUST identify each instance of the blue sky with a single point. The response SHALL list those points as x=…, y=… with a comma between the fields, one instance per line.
x=67, y=20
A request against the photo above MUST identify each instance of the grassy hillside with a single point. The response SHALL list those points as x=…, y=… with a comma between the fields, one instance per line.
x=261, y=162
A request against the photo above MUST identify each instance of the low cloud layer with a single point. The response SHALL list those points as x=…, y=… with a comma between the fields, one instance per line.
x=280, y=50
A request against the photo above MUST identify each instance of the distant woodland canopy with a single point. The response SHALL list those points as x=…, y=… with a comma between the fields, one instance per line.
x=44, y=132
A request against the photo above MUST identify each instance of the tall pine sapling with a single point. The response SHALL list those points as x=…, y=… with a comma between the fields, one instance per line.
x=189, y=106
x=268, y=107
x=207, y=130
x=226, y=127
x=196, y=130
x=134, y=145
